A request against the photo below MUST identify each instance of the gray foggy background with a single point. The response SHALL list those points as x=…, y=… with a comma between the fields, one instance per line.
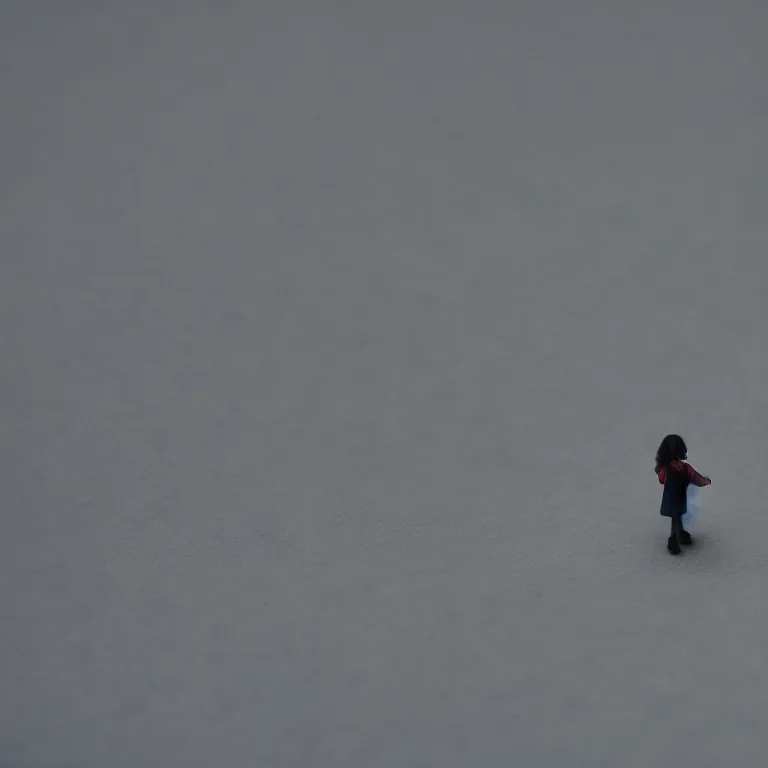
x=336, y=344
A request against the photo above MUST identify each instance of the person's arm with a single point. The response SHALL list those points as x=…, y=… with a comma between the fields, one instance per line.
x=662, y=475
x=696, y=478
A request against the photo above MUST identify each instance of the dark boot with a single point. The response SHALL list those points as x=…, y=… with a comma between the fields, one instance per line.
x=673, y=546
x=685, y=538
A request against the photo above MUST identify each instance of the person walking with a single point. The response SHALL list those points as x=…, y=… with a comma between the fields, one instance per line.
x=675, y=474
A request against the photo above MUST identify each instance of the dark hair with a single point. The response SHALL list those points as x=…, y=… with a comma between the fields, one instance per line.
x=672, y=448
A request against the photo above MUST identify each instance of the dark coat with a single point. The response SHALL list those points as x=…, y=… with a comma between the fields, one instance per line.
x=674, y=499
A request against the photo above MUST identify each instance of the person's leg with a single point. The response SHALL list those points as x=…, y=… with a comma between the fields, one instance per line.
x=673, y=544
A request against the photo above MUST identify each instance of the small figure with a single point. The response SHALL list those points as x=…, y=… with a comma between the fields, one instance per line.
x=676, y=475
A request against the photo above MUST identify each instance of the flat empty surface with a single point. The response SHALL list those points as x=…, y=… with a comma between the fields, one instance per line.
x=335, y=346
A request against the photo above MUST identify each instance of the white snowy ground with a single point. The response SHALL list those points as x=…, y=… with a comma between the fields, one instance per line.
x=336, y=344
